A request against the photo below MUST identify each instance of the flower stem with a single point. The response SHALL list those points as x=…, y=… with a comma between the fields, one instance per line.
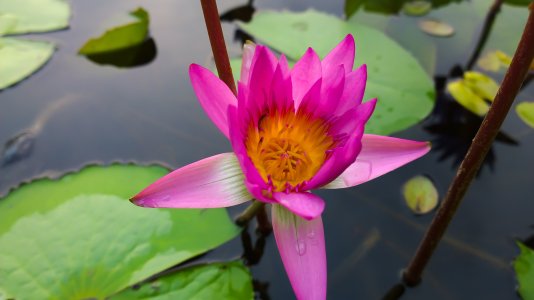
x=218, y=46
x=250, y=212
x=477, y=152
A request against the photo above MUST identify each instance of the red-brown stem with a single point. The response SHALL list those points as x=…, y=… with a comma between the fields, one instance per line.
x=477, y=152
x=218, y=46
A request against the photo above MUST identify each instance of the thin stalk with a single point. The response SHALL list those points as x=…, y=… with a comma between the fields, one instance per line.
x=477, y=152
x=250, y=212
x=218, y=46
x=486, y=29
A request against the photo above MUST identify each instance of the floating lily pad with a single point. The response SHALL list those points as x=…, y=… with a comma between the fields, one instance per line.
x=213, y=281
x=525, y=110
x=35, y=15
x=417, y=8
x=466, y=97
x=524, y=270
x=436, y=28
x=420, y=194
x=405, y=92
x=20, y=58
x=481, y=84
x=120, y=37
x=80, y=238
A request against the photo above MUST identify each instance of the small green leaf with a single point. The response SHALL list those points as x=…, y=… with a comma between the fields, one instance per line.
x=481, y=84
x=420, y=194
x=436, y=28
x=212, y=281
x=525, y=110
x=80, y=238
x=404, y=90
x=467, y=98
x=35, y=15
x=20, y=58
x=524, y=270
x=120, y=37
x=490, y=62
x=417, y=8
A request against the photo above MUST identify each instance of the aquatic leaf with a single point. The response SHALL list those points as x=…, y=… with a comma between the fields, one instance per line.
x=405, y=92
x=466, y=97
x=525, y=110
x=481, y=84
x=80, y=238
x=229, y=281
x=518, y=2
x=35, y=15
x=524, y=270
x=20, y=58
x=420, y=194
x=120, y=37
x=436, y=28
x=490, y=62
x=387, y=6
x=417, y=8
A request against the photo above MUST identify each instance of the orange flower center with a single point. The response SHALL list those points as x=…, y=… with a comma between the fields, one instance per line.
x=288, y=149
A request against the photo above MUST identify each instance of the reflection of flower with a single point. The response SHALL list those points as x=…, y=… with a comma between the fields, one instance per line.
x=292, y=131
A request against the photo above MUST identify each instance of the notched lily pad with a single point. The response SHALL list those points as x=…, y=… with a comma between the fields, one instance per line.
x=229, y=281
x=20, y=58
x=436, y=28
x=474, y=92
x=120, y=37
x=34, y=15
x=420, y=194
x=525, y=111
x=80, y=238
x=524, y=270
x=404, y=90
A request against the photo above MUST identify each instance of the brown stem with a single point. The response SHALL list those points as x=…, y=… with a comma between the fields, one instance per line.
x=250, y=212
x=477, y=151
x=218, y=46
x=486, y=29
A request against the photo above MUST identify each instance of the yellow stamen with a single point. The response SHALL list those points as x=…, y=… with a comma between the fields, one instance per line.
x=288, y=149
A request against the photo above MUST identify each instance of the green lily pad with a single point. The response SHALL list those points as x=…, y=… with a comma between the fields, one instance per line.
x=524, y=270
x=436, y=28
x=120, y=37
x=420, y=194
x=417, y=8
x=80, y=238
x=525, y=110
x=405, y=92
x=213, y=281
x=35, y=15
x=466, y=97
x=20, y=58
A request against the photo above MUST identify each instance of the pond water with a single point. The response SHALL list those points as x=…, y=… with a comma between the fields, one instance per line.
x=89, y=112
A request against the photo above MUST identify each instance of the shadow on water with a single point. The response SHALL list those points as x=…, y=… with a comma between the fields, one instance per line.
x=135, y=56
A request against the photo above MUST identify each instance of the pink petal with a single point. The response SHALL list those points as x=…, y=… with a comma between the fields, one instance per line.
x=213, y=94
x=354, y=90
x=216, y=181
x=306, y=205
x=262, y=70
x=248, y=54
x=331, y=92
x=304, y=74
x=379, y=155
x=342, y=54
x=281, y=92
x=302, y=248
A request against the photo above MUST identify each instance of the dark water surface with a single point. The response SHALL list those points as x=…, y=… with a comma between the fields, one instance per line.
x=87, y=112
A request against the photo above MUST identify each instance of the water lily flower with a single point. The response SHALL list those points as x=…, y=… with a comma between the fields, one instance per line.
x=292, y=130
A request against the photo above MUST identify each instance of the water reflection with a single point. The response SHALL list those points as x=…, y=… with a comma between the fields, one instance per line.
x=135, y=56
x=240, y=13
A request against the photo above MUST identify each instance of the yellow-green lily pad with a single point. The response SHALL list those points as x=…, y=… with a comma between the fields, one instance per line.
x=481, y=84
x=436, y=28
x=417, y=8
x=35, y=15
x=420, y=194
x=466, y=97
x=525, y=110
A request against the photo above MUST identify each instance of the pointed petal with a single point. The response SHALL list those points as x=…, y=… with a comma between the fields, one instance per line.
x=262, y=70
x=342, y=54
x=213, y=95
x=302, y=248
x=304, y=74
x=379, y=155
x=215, y=181
x=306, y=205
x=248, y=54
x=354, y=90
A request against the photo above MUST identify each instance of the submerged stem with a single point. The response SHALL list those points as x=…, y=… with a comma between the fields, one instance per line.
x=218, y=46
x=477, y=152
x=250, y=212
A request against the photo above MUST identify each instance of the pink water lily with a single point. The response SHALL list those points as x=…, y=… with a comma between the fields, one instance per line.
x=292, y=130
